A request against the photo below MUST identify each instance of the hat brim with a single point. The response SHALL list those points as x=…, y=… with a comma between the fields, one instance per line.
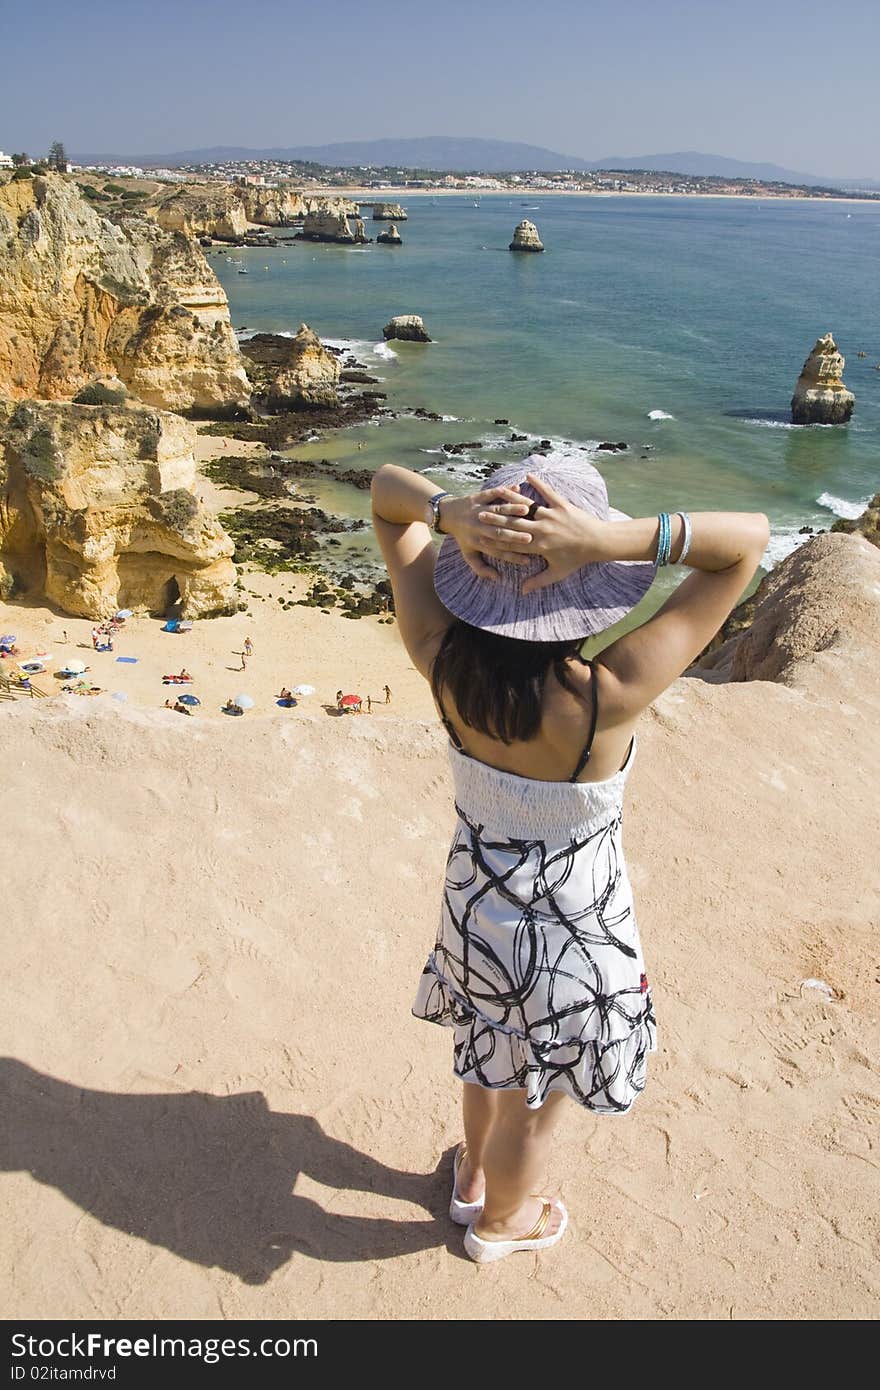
x=585, y=603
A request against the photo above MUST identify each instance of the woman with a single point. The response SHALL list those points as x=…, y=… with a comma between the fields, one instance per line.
x=538, y=966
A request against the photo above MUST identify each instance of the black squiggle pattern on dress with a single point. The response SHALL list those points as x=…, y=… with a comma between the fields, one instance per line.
x=537, y=964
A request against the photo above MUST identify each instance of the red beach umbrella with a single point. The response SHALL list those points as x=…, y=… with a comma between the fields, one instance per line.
x=350, y=701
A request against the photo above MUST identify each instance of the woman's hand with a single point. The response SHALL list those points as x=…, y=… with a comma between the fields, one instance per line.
x=463, y=519
x=565, y=536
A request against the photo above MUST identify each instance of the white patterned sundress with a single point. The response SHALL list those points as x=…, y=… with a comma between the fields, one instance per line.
x=538, y=966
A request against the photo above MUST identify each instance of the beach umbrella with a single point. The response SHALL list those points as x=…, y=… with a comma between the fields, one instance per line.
x=124, y=613
x=32, y=666
x=243, y=701
x=349, y=701
x=74, y=668
x=303, y=690
x=7, y=639
x=120, y=695
x=189, y=699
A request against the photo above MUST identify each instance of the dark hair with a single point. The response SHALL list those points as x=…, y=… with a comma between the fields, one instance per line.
x=497, y=683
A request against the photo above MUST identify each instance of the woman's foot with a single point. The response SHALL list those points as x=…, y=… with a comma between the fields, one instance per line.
x=503, y=1238
x=470, y=1181
x=522, y=1221
x=464, y=1206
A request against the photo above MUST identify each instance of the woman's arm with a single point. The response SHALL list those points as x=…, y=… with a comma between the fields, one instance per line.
x=401, y=512
x=725, y=551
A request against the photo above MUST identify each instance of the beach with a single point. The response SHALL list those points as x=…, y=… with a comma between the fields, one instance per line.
x=220, y=1106
x=298, y=646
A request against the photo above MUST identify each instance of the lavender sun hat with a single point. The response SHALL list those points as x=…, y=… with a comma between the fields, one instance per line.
x=586, y=602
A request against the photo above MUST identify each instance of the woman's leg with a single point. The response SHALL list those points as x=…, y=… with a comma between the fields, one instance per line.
x=514, y=1158
x=479, y=1107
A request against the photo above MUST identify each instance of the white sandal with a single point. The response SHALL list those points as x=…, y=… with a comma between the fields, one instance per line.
x=484, y=1251
x=462, y=1213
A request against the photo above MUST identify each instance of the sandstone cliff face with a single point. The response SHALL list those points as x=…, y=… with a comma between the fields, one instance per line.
x=820, y=397
x=97, y=512
x=391, y=237
x=215, y=210
x=867, y=525
x=309, y=376
x=407, y=327
x=327, y=220
x=525, y=238
x=388, y=212
x=81, y=296
x=825, y=595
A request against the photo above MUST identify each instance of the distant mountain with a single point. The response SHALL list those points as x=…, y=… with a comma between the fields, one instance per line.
x=707, y=165
x=431, y=152
x=447, y=153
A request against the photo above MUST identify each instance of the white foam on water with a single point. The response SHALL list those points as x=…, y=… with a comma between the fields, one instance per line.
x=841, y=507
x=384, y=351
x=773, y=424
x=450, y=419
x=781, y=544
x=660, y=415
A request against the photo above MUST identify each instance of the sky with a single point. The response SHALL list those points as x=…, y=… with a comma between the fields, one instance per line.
x=787, y=81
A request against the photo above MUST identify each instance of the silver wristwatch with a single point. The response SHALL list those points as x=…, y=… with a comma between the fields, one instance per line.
x=432, y=510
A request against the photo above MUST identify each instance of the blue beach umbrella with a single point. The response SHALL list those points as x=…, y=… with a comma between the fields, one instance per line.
x=7, y=639
x=124, y=613
x=189, y=699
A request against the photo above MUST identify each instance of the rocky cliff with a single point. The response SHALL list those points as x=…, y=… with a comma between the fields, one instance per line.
x=388, y=212
x=308, y=377
x=224, y=211
x=867, y=525
x=98, y=512
x=820, y=397
x=328, y=221
x=525, y=237
x=823, y=598
x=81, y=295
x=407, y=327
x=390, y=237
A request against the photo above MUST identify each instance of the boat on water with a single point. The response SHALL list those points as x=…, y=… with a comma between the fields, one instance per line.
x=242, y=271
x=531, y=207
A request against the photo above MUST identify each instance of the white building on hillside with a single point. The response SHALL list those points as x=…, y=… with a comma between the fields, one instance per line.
x=5, y=160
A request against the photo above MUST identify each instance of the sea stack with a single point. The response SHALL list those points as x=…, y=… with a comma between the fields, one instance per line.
x=526, y=238
x=388, y=212
x=408, y=327
x=390, y=237
x=308, y=378
x=820, y=397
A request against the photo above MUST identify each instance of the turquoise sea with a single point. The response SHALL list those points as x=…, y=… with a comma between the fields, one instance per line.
x=702, y=309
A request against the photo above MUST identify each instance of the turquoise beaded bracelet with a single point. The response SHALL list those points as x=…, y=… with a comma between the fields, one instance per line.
x=664, y=541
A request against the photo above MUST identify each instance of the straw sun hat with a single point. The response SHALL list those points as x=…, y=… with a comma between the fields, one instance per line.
x=584, y=603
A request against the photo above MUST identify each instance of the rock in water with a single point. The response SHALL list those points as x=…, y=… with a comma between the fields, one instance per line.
x=388, y=212
x=391, y=237
x=328, y=221
x=81, y=296
x=99, y=512
x=309, y=376
x=820, y=397
x=525, y=238
x=408, y=327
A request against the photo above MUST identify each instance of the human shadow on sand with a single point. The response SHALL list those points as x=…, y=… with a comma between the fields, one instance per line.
x=210, y=1178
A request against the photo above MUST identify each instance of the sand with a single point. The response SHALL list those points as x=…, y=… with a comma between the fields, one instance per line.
x=218, y=1104
x=297, y=646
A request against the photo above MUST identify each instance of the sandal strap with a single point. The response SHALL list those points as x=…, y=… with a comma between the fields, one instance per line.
x=540, y=1225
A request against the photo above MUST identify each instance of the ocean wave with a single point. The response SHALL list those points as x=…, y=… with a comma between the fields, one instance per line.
x=841, y=507
x=660, y=415
x=772, y=424
x=384, y=351
x=781, y=544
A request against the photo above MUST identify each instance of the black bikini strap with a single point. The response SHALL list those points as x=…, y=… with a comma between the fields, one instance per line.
x=585, y=754
x=448, y=726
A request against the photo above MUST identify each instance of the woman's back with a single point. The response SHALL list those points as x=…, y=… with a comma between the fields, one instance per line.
x=585, y=720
